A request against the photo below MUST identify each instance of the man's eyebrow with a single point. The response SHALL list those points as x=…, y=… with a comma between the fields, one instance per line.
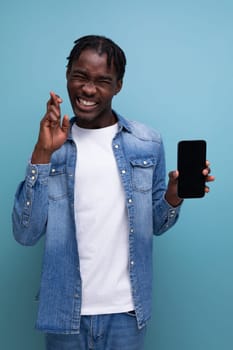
x=78, y=70
x=99, y=77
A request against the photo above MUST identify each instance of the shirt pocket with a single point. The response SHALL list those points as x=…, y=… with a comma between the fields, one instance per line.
x=57, y=185
x=142, y=173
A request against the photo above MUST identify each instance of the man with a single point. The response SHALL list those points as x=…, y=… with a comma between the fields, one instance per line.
x=95, y=187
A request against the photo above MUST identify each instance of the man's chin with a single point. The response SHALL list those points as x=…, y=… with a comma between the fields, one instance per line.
x=95, y=119
x=86, y=120
x=86, y=114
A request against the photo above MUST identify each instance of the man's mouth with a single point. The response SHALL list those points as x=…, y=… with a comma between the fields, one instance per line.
x=86, y=103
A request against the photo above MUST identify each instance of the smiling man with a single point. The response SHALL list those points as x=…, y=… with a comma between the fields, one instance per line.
x=95, y=187
x=92, y=83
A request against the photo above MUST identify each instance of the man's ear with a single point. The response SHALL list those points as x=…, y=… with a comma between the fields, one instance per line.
x=119, y=86
x=67, y=73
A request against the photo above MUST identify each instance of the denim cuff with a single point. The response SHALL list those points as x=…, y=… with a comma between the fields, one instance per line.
x=36, y=172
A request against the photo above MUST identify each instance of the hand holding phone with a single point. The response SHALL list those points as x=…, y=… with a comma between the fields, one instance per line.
x=191, y=161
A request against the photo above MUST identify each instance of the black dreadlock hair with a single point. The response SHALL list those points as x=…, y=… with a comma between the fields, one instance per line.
x=102, y=45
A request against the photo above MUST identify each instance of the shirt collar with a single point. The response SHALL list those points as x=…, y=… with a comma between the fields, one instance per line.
x=122, y=122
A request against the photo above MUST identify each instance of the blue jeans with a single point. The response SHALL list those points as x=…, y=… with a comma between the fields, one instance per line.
x=101, y=332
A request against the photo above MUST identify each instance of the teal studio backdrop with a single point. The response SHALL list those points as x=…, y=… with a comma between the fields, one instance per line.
x=179, y=81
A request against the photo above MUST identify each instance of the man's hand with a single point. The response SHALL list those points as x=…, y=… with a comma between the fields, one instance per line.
x=171, y=193
x=208, y=177
x=52, y=133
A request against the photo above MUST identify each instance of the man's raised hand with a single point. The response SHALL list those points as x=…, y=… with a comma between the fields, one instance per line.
x=53, y=133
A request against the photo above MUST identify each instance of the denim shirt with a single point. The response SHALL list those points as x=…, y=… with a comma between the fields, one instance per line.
x=44, y=205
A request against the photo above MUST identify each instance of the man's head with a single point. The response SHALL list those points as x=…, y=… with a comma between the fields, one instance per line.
x=95, y=71
x=101, y=44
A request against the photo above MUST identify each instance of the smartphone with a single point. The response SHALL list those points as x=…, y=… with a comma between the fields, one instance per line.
x=191, y=160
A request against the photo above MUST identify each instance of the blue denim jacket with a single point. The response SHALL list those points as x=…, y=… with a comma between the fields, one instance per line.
x=44, y=204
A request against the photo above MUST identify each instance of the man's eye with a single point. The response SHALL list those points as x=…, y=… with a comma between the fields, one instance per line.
x=79, y=77
x=104, y=82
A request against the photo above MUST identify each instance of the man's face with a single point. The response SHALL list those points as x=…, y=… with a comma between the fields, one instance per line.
x=91, y=86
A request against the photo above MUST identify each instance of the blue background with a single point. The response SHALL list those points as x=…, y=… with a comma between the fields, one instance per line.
x=179, y=81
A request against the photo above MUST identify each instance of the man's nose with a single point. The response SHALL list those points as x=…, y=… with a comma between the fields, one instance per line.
x=89, y=88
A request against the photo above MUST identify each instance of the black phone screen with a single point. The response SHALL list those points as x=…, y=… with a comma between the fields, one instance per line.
x=190, y=163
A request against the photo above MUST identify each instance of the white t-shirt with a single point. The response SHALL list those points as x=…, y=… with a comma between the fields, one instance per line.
x=102, y=225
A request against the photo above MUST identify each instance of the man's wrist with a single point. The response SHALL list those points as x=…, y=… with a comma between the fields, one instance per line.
x=173, y=200
x=40, y=156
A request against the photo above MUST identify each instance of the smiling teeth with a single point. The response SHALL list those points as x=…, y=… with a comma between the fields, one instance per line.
x=87, y=103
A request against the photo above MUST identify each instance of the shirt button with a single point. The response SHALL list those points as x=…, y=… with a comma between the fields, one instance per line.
x=33, y=171
x=172, y=213
x=144, y=162
x=123, y=171
x=28, y=203
x=53, y=170
x=132, y=262
x=116, y=146
x=33, y=177
x=130, y=200
x=131, y=230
